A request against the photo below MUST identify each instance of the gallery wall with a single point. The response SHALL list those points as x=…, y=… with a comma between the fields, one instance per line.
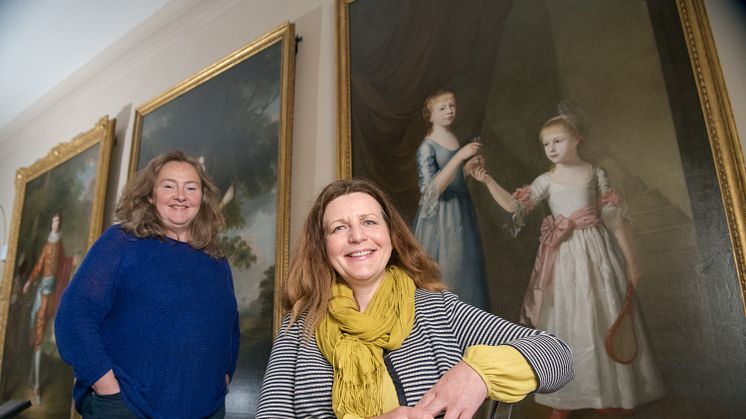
x=177, y=42
x=188, y=35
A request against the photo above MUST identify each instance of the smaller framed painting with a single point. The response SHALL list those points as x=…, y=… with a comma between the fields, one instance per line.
x=57, y=215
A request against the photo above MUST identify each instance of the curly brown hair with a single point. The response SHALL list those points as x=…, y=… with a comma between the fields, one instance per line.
x=138, y=215
x=311, y=275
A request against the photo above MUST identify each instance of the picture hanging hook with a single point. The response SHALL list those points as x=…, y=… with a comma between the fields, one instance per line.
x=298, y=40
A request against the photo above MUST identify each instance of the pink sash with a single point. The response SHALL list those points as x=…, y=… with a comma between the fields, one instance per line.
x=554, y=231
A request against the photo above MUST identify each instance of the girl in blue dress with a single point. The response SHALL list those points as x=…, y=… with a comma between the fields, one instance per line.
x=445, y=223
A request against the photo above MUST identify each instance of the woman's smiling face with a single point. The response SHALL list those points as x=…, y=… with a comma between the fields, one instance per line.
x=358, y=244
x=177, y=196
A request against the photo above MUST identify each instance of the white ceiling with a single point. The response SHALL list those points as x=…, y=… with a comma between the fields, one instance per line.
x=42, y=42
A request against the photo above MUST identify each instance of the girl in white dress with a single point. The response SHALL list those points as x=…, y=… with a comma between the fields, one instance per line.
x=584, y=267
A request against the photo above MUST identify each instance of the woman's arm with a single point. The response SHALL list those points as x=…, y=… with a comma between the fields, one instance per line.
x=235, y=341
x=82, y=310
x=277, y=395
x=549, y=358
x=501, y=359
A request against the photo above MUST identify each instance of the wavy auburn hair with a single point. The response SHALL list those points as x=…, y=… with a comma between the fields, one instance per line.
x=311, y=275
x=138, y=215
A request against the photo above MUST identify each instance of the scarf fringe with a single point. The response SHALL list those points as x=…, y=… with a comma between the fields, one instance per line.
x=353, y=342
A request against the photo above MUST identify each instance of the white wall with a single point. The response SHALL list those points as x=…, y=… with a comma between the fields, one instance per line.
x=27, y=52
x=178, y=41
x=186, y=36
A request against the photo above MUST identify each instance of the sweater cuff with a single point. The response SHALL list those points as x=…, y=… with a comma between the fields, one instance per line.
x=506, y=373
x=90, y=377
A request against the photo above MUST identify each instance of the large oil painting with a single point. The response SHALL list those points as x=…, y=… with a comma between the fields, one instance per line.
x=57, y=215
x=439, y=100
x=235, y=117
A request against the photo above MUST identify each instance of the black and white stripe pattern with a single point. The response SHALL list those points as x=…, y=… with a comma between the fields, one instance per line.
x=298, y=380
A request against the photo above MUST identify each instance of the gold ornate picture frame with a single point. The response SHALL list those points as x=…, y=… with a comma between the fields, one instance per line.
x=236, y=117
x=63, y=191
x=647, y=78
x=721, y=128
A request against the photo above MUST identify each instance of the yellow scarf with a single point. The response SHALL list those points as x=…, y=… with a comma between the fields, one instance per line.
x=353, y=342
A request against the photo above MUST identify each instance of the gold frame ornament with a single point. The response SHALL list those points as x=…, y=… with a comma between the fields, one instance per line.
x=70, y=180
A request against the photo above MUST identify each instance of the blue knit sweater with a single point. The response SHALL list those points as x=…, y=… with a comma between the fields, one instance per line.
x=160, y=314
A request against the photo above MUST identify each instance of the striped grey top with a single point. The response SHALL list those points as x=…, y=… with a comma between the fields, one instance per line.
x=298, y=380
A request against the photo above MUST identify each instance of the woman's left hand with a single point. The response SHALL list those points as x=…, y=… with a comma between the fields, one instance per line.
x=459, y=393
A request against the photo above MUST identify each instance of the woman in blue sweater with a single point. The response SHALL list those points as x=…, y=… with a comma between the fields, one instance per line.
x=371, y=332
x=149, y=322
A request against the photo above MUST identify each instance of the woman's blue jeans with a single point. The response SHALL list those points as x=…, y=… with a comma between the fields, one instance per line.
x=111, y=406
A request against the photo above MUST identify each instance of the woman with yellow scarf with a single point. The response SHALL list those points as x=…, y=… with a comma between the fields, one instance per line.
x=370, y=330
